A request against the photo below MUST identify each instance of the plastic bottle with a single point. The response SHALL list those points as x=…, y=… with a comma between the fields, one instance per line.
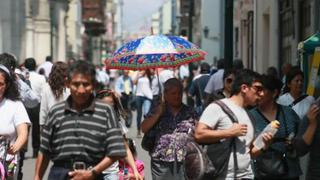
x=125, y=173
x=272, y=128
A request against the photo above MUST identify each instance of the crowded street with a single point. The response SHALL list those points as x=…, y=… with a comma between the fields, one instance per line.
x=159, y=89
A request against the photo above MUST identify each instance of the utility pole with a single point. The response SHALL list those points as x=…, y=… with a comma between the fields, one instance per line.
x=228, y=35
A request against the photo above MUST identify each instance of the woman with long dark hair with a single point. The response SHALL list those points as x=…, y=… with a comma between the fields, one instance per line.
x=55, y=90
x=112, y=173
x=14, y=121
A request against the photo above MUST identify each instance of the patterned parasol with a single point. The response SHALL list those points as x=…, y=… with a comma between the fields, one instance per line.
x=155, y=51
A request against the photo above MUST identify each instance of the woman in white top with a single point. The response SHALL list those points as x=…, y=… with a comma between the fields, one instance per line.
x=144, y=96
x=293, y=91
x=294, y=96
x=14, y=118
x=54, y=91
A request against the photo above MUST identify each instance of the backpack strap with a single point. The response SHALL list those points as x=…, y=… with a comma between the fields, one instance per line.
x=298, y=100
x=234, y=119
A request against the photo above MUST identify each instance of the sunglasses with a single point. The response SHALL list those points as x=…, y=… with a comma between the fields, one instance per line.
x=258, y=89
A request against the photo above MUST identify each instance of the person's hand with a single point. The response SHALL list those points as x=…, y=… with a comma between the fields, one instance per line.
x=81, y=175
x=36, y=177
x=267, y=139
x=160, y=108
x=13, y=149
x=239, y=129
x=312, y=114
x=137, y=176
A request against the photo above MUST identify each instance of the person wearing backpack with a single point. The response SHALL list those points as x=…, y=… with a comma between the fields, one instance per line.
x=216, y=126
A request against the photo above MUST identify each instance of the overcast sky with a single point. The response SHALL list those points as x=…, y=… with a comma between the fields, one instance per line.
x=137, y=12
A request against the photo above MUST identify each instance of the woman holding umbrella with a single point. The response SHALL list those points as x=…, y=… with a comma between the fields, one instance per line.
x=170, y=121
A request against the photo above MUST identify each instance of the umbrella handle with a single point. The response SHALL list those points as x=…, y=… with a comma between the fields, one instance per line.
x=160, y=87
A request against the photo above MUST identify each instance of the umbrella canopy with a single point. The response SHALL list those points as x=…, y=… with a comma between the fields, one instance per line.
x=155, y=51
x=309, y=45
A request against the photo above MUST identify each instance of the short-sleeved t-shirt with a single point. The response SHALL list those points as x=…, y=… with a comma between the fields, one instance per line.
x=301, y=108
x=215, y=118
x=13, y=113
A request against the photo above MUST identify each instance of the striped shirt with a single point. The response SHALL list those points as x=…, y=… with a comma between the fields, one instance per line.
x=88, y=136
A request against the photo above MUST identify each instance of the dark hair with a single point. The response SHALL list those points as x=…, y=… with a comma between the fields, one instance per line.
x=204, y=68
x=42, y=71
x=118, y=108
x=82, y=67
x=149, y=76
x=12, y=91
x=271, y=83
x=220, y=64
x=227, y=72
x=30, y=64
x=49, y=58
x=172, y=82
x=237, y=64
x=244, y=76
x=57, y=77
x=132, y=146
x=294, y=71
x=272, y=71
x=8, y=60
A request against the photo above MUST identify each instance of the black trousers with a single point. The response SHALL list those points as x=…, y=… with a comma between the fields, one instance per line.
x=33, y=114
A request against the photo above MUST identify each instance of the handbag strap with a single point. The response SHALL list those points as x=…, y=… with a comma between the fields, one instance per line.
x=234, y=119
x=298, y=100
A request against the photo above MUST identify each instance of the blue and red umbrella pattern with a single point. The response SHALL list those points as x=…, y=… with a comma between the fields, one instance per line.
x=155, y=51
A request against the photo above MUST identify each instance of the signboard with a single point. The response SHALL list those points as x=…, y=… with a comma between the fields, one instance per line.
x=313, y=77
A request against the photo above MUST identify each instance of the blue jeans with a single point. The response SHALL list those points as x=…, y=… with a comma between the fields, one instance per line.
x=58, y=173
x=143, y=104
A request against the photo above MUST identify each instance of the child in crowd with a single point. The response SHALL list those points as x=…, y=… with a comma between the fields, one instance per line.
x=126, y=172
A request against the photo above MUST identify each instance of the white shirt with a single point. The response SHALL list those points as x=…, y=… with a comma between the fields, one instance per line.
x=37, y=81
x=48, y=100
x=301, y=108
x=13, y=113
x=184, y=71
x=164, y=75
x=102, y=77
x=143, y=88
x=47, y=66
x=214, y=117
x=215, y=82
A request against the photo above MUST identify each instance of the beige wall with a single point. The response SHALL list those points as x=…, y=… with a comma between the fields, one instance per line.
x=267, y=35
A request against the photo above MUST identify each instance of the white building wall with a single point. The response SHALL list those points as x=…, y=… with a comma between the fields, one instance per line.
x=155, y=22
x=74, y=25
x=210, y=19
x=166, y=17
x=40, y=34
x=267, y=35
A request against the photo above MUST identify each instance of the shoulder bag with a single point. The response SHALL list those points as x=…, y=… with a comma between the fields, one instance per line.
x=272, y=163
x=213, y=160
